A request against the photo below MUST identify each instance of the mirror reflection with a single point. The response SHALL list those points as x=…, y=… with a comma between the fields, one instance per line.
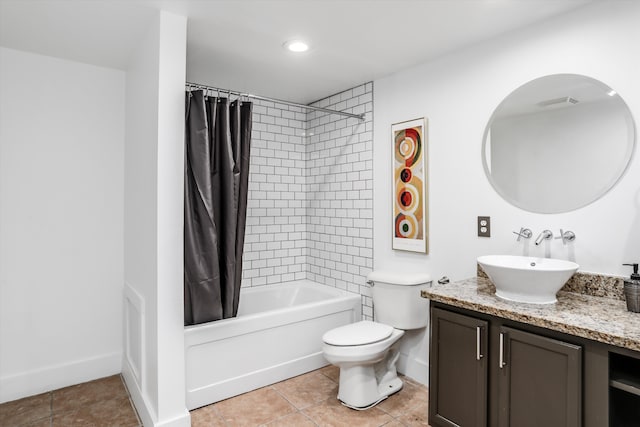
x=558, y=143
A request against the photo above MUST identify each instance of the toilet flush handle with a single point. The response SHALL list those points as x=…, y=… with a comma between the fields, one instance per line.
x=370, y=283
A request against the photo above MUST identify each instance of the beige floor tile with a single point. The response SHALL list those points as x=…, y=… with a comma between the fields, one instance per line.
x=44, y=422
x=417, y=416
x=293, y=420
x=105, y=402
x=115, y=412
x=254, y=408
x=332, y=413
x=412, y=381
x=24, y=411
x=76, y=396
x=332, y=372
x=206, y=416
x=308, y=389
x=410, y=396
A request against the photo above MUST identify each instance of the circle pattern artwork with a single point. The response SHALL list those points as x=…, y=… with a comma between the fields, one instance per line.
x=405, y=175
x=407, y=198
x=406, y=226
x=408, y=146
x=408, y=183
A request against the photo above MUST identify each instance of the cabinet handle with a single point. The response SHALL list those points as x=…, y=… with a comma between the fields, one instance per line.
x=501, y=353
x=478, y=350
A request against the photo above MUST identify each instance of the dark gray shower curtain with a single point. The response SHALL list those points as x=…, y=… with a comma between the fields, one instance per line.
x=217, y=139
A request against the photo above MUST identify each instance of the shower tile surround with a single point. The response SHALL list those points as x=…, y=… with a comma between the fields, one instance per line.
x=310, y=201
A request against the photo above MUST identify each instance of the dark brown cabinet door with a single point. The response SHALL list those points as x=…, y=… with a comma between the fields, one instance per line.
x=540, y=381
x=458, y=370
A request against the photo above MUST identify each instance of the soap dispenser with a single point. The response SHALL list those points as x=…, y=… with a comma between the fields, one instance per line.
x=632, y=290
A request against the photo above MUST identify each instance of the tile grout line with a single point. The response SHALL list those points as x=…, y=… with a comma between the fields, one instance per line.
x=309, y=418
x=224, y=420
x=297, y=410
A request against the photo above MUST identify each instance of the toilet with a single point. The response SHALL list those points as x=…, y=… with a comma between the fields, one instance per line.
x=366, y=352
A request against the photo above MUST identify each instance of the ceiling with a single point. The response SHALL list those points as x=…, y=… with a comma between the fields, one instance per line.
x=237, y=44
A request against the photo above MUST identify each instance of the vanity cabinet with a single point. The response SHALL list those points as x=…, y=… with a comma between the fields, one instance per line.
x=539, y=380
x=624, y=390
x=484, y=371
x=458, y=373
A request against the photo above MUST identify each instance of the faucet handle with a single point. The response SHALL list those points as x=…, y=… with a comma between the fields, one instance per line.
x=566, y=236
x=524, y=232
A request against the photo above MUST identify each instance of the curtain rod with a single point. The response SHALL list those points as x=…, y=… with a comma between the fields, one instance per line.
x=279, y=101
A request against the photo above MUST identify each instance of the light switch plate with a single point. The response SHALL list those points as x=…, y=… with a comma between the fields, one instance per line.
x=484, y=226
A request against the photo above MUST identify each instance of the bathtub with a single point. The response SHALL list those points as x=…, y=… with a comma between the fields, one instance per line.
x=276, y=335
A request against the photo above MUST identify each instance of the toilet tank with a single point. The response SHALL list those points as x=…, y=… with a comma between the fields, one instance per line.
x=396, y=298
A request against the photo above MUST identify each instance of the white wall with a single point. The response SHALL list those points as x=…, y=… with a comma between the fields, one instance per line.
x=458, y=94
x=61, y=222
x=153, y=207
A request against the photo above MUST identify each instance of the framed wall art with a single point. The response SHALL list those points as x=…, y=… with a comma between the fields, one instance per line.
x=410, y=197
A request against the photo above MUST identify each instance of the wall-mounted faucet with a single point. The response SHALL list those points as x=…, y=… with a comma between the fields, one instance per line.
x=524, y=232
x=545, y=235
x=566, y=236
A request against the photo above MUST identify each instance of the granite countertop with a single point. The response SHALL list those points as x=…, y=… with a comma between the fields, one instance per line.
x=596, y=318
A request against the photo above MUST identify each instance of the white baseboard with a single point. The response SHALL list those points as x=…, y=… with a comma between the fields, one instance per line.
x=41, y=380
x=145, y=409
x=416, y=369
x=183, y=420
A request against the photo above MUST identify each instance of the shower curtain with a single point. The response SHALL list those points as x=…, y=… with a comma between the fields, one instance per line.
x=217, y=139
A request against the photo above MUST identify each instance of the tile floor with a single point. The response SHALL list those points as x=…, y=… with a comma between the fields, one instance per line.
x=104, y=402
x=310, y=400
x=306, y=400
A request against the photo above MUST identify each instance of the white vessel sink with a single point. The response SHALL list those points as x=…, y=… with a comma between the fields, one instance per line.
x=527, y=279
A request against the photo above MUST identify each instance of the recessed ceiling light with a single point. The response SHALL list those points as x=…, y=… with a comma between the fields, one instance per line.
x=296, y=46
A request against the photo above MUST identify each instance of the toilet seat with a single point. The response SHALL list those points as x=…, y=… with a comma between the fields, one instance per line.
x=359, y=333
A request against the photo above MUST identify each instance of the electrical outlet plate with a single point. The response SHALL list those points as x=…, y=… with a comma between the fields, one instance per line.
x=484, y=226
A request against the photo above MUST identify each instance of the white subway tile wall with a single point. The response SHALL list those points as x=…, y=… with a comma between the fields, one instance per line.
x=340, y=193
x=275, y=247
x=310, y=202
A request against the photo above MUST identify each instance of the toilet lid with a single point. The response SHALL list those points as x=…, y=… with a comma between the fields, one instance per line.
x=359, y=333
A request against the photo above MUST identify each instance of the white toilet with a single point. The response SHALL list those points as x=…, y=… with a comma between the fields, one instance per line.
x=366, y=352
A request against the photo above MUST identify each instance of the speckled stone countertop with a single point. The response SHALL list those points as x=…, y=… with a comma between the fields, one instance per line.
x=596, y=318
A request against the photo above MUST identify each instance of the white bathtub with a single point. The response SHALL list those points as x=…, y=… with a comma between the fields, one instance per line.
x=277, y=335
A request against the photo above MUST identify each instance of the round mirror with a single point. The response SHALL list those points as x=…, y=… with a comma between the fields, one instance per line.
x=558, y=143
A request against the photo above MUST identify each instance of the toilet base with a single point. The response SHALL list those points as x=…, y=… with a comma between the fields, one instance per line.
x=364, y=386
x=388, y=388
